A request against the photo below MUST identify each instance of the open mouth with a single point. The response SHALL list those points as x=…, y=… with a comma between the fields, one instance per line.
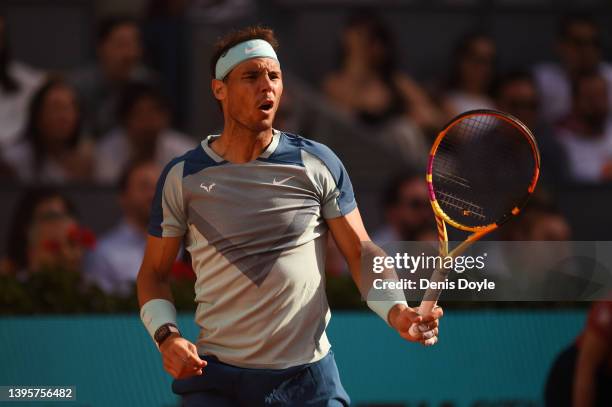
x=266, y=106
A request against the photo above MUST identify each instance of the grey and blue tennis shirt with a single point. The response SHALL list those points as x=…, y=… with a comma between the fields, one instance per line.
x=257, y=236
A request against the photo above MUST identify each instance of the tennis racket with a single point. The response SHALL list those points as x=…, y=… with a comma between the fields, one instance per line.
x=483, y=167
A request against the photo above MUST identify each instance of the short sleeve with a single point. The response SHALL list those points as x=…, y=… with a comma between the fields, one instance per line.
x=168, y=218
x=331, y=180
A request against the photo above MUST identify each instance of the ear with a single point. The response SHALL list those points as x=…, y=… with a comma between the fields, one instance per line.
x=218, y=89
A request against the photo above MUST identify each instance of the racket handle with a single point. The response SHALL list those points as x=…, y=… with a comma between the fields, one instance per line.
x=430, y=299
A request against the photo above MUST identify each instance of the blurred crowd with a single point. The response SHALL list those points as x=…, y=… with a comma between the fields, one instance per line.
x=114, y=123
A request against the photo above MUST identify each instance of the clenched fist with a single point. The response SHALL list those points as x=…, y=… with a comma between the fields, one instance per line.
x=180, y=358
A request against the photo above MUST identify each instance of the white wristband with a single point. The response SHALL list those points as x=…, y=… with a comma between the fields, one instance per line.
x=382, y=308
x=381, y=301
x=154, y=313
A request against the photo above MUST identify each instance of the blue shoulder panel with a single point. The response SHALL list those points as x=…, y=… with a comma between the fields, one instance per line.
x=195, y=160
x=346, y=199
x=287, y=151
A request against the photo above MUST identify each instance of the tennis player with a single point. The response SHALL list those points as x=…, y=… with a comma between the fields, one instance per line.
x=255, y=204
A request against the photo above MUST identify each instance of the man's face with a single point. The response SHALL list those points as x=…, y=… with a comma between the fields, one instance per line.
x=591, y=103
x=146, y=120
x=413, y=211
x=121, y=51
x=550, y=227
x=139, y=192
x=580, y=49
x=520, y=99
x=251, y=93
x=361, y=41
x=477, y=64
x=59, y=114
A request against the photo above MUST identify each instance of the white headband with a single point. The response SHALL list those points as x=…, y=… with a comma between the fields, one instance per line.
x=257, y=48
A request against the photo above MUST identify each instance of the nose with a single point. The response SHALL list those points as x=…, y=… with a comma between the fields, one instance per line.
x=266, y=83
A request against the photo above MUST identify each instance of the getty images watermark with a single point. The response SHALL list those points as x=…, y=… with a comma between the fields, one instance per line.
x=406, y=263
x=490, y=271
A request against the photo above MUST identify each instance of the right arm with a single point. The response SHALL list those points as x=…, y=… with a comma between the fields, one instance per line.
x=180, y=357
x=153, y=278
x=590, y=356
x=167, y=227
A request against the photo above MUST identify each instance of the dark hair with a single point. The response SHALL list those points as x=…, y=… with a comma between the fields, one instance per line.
x=128, y=170
x=7, y=82
x=568, y=20
x=391, y=194
x=236, y=37
x=511, y=77
x=577, y=82
x=461, y=50
x=109, y=24
x=33, y=133
x=23, y=217
x=134, y=92
x=379, y=31
x=543, y=201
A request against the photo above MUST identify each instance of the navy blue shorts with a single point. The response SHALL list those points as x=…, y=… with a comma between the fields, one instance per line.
x=314, y=384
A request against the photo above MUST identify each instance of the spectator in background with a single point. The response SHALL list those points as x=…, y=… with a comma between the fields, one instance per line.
x=472, y=75
x=407, y=210
x=516, y=93
x=144, y=134
x=538, y=269
x=57, y=244
x=370, y=87
x=17, y=84
x=119, y=53
x=580, y=53
x=114, y=265
x=44, y=234
x=168, y=47
x=541, y=221
x=586, y=134
x=581, y=375
x=53, y=148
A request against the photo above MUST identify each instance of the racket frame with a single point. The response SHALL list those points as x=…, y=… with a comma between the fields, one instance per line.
x=478, y=232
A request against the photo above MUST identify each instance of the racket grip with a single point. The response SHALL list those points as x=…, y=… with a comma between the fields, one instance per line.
x=430, y=299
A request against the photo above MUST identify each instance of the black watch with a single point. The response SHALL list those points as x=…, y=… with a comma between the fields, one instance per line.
x=164, y=332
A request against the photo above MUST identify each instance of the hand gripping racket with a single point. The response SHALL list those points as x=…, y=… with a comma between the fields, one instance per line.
x=482, y=169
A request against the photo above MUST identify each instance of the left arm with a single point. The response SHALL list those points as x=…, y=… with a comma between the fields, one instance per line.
x=592, y=354
x=349, y=233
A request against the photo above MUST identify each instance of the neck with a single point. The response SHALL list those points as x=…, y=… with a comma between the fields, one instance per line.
x=474, y=88
x=238, y=144
x=55, y=149
x=114, y=76
x=357, y=67
x=142, y=147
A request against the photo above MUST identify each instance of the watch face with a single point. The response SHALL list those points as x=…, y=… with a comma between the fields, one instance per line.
x=161, y=333
x=164, y=331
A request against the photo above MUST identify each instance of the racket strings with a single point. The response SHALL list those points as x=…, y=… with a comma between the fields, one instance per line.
x=467, y=131
x=462, y=204
x=481, y=169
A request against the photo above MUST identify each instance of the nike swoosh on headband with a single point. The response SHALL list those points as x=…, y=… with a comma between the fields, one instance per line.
x=256, y=48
